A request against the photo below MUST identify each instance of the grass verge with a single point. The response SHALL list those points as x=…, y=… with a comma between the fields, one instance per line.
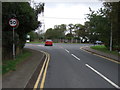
x=102, y=48
x=36, y=42
x=10, y=65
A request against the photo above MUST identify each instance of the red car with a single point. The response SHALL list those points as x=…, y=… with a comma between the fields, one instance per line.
x=48, y=43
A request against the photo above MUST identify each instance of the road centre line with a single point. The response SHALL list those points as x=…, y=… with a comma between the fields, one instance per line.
x=75, y=57
x=108, y=80
x=40, y=74
x=67, y=51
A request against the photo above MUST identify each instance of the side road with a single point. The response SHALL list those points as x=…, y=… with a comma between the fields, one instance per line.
x=26, y=71
x=111, y=56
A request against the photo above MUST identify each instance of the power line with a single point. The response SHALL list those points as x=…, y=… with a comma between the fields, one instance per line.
x=61, y=18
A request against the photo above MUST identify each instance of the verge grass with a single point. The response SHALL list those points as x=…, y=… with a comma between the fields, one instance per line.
x=35, y=42
x=10, y=65
x=102, y=48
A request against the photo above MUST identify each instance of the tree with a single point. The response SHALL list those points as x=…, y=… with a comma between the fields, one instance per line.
x=58, y=32
x=103, y=24
x=97, y=27
x=70, y=28
x=33, y=35
x=61, y=29
x=27, y=17
x=49, y=34
x=80, y=31
x=113, y=14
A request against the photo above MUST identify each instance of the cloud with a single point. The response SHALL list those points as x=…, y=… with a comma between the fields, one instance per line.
x=66, y=13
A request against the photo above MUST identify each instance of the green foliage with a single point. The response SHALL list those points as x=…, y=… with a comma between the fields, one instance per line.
x=72, y=31
x=7, y=42
x=28, y=21
x=69, y=36
x=80, y=30
x=33, y=35
x=70, y=27
x=98, y=27
x=113, y=14
x=104, y=49
x=102, y=22
x=57, y=33
x=23, y=12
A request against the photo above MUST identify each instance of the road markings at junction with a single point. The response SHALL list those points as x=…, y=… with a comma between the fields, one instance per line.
x=101, y=56
x=75, y=57
x=85, y=50
x=108, y=80
x=67, y=51
x=107, y=58
x=43, y=72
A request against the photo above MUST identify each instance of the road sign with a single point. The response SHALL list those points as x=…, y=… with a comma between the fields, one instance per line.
x=13, y=22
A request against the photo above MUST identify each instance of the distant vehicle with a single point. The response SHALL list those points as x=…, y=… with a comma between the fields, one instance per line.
x=65, y=41
x=28, y=38
x=49, y=43
x=98, y=42
x=27, y=41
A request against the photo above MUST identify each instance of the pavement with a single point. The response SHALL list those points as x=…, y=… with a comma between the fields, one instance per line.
x=26, y=72
x=111, y=56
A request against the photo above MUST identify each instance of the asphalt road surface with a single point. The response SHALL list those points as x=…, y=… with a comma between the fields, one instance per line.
x=71, y=67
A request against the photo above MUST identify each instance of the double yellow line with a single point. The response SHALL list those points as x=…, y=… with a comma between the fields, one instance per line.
x=43, y=72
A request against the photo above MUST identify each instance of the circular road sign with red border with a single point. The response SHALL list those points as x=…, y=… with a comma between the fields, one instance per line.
x=13, y=22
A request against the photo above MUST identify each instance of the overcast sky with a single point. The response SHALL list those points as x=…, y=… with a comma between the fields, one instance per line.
x=56, y=13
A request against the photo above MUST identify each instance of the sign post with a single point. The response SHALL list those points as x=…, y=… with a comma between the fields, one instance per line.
x=13, y=23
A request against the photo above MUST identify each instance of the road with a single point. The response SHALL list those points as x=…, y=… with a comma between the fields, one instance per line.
x=71, y=67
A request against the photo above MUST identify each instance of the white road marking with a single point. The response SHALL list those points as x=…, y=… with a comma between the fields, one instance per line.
x=108, y=80
x=41, y=45
x=29, y=45
x=75, y=57
x=67, y=51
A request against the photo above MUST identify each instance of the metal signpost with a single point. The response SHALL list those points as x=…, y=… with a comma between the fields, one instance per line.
x=13, y=23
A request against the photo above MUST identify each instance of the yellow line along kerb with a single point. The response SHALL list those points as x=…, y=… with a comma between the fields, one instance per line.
x=40, y=74
x=108, y=59
x=102, y=56
x=45, y=72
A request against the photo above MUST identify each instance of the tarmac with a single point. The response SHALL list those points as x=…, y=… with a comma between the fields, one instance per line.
x=26, y=73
